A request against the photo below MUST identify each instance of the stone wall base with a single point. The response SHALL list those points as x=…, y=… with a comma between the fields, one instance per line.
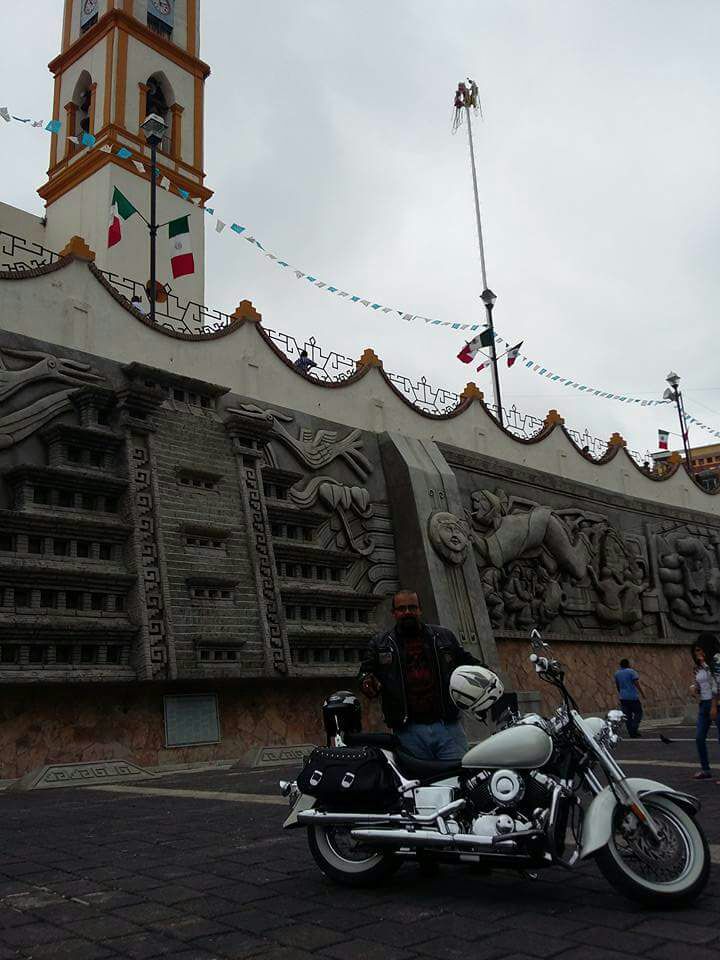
x=665, y=674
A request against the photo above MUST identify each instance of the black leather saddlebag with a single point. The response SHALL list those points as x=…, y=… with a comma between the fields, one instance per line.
x=350, y=778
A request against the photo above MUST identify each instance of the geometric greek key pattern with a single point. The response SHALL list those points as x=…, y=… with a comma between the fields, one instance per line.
x=149, y=558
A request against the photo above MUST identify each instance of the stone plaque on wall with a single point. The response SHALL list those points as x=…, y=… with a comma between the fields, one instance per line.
x=191, y=720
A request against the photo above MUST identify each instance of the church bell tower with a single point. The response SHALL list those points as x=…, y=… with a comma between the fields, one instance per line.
x=120, y=61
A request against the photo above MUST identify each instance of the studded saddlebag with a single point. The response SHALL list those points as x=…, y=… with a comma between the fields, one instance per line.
x=347, y=778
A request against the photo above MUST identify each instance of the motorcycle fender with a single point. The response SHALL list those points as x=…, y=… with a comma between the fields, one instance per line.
x=303, y=802
x=597, y=823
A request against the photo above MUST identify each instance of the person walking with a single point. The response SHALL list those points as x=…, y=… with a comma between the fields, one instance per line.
x=705, y=688
x=629, y=690
x=409, y=667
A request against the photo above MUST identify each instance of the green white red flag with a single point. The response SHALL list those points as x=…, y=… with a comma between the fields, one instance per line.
x=181, y=254
x=663, y=437
x=513, y=352
x=120, y=210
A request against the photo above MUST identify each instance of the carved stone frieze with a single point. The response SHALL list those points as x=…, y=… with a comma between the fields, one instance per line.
x=560, y=568
x=449, y=536
x=688, y=563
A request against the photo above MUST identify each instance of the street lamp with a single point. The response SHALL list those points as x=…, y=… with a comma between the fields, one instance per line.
x=154, y=128
x=673, y=393
x=489, y=298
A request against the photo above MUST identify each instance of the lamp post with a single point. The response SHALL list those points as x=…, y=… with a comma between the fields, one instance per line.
x=489, y=298
x=154, y=128
x=673, y=393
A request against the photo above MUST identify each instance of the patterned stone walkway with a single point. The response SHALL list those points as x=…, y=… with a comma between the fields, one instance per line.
x=198, y=870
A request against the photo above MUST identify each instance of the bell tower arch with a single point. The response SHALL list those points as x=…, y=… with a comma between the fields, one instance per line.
x=119, y=61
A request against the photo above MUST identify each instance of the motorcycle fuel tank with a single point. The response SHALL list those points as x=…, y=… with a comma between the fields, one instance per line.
x=519, y=747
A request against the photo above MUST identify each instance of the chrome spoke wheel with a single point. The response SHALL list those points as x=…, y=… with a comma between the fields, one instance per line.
x=666, y=861
x=346, y=847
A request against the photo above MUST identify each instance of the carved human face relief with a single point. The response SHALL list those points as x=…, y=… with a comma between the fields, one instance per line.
x=449, y=536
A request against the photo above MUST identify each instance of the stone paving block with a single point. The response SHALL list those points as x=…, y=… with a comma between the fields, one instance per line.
x=289, y=906
x=14, y=918
x=69, y=950
x=680, y=951
x=209, y=906
x=171, y=893
x=453, y=948
x=144, y=913
x=677, y=930
x=234, y=946
x=519, y=940
x=255, y=920
x=403, y=934
x=191, y=928
x=244, y=892
x=367, y=950
x=63, y=912
x=609, y=939
x=307, y=936
x=105, y=927
x=144, y=945
x=593, y=953
x=31, y=934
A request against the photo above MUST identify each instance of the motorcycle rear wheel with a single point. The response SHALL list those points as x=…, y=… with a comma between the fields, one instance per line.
x=672, y=874
x=345, y=861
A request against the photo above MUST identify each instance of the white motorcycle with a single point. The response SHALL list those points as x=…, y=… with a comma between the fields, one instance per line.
x=539, y=793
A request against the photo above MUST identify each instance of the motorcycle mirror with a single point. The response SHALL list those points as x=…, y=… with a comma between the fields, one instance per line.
x=536, y=639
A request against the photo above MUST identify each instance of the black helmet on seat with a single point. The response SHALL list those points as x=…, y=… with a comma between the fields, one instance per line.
x=342, y=713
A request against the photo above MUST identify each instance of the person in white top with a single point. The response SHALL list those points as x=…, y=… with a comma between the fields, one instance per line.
x=705, y=689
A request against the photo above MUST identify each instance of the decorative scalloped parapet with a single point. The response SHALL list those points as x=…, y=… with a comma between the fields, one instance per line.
x=78, y=248
x=472, y=392
x=246, y=312
x=369, y=359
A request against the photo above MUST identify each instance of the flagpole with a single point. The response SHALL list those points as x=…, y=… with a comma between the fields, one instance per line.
x=488, y=297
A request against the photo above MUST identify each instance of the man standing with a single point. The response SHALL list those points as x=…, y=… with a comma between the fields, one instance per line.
x=627, y=682
x=410, y=666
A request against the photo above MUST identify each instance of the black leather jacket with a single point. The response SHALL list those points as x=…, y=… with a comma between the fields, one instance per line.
x=385, y=659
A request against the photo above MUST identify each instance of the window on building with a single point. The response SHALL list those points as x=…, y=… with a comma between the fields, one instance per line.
x=9, y=653
x=7, y=542
x=36, y=545
x=23, y=597
x=88, y=653
x=158, y=100
x=63, y=653
x=83, y=549
x=106, y=551
x=37, y=653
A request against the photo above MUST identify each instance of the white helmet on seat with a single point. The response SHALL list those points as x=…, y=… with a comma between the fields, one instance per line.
x=475, y=689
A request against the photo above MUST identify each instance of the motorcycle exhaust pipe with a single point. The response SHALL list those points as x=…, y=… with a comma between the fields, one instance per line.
x=309, y=818
x=430, y=838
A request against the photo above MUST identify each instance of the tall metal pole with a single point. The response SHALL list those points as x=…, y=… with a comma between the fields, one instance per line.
x=683, y=428
x=153, y=225
x=488, y=304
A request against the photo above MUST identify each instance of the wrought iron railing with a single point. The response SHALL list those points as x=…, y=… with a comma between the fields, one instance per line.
x=18, y=255
x=188, y=316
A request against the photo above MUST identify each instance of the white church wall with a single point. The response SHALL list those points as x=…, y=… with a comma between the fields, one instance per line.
x=70, y=308
x=22, y=224
x=85, y=212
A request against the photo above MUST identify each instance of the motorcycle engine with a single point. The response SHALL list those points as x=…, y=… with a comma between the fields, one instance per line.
x=501, y=791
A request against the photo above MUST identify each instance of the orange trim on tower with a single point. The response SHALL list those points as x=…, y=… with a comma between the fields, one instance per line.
x=133, y=27
x=199, y=123
x=192, y=46
x=176, y=131
x=142, y=105
x=55, y=116
x=121, y=79
x=128, y=6
x=91, y=111
x=70, y=128
x=109, y=51
x=67, y=24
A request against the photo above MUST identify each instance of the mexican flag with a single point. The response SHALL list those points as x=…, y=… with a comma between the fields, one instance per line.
x=120, y=210
x=513, y=352
x=468, y=352
x=181, y=255
x=663, y=437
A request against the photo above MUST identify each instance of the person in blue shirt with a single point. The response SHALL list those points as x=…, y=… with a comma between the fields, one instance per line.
x=627, y=682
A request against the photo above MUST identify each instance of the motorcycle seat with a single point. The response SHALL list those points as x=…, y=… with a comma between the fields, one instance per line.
x=427, y=771
x=383, y=741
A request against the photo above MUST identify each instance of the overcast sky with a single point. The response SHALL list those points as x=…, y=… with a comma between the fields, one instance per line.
x=328, y=133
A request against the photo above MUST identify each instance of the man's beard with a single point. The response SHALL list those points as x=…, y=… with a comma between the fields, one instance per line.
x=408, y=626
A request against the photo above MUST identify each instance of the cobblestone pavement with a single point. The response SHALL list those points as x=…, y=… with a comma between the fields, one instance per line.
x=194, y=870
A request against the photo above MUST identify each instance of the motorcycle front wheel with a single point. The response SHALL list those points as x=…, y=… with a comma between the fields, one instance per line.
x=666, y=874
x=345, y=860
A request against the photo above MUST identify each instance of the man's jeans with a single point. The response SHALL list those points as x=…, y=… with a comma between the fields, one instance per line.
x=701, y=731
x=633, y=715
x=433, y=741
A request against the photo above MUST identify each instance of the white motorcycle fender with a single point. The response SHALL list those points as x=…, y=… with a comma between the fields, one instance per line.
x=303, y=802
x=597, y=824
